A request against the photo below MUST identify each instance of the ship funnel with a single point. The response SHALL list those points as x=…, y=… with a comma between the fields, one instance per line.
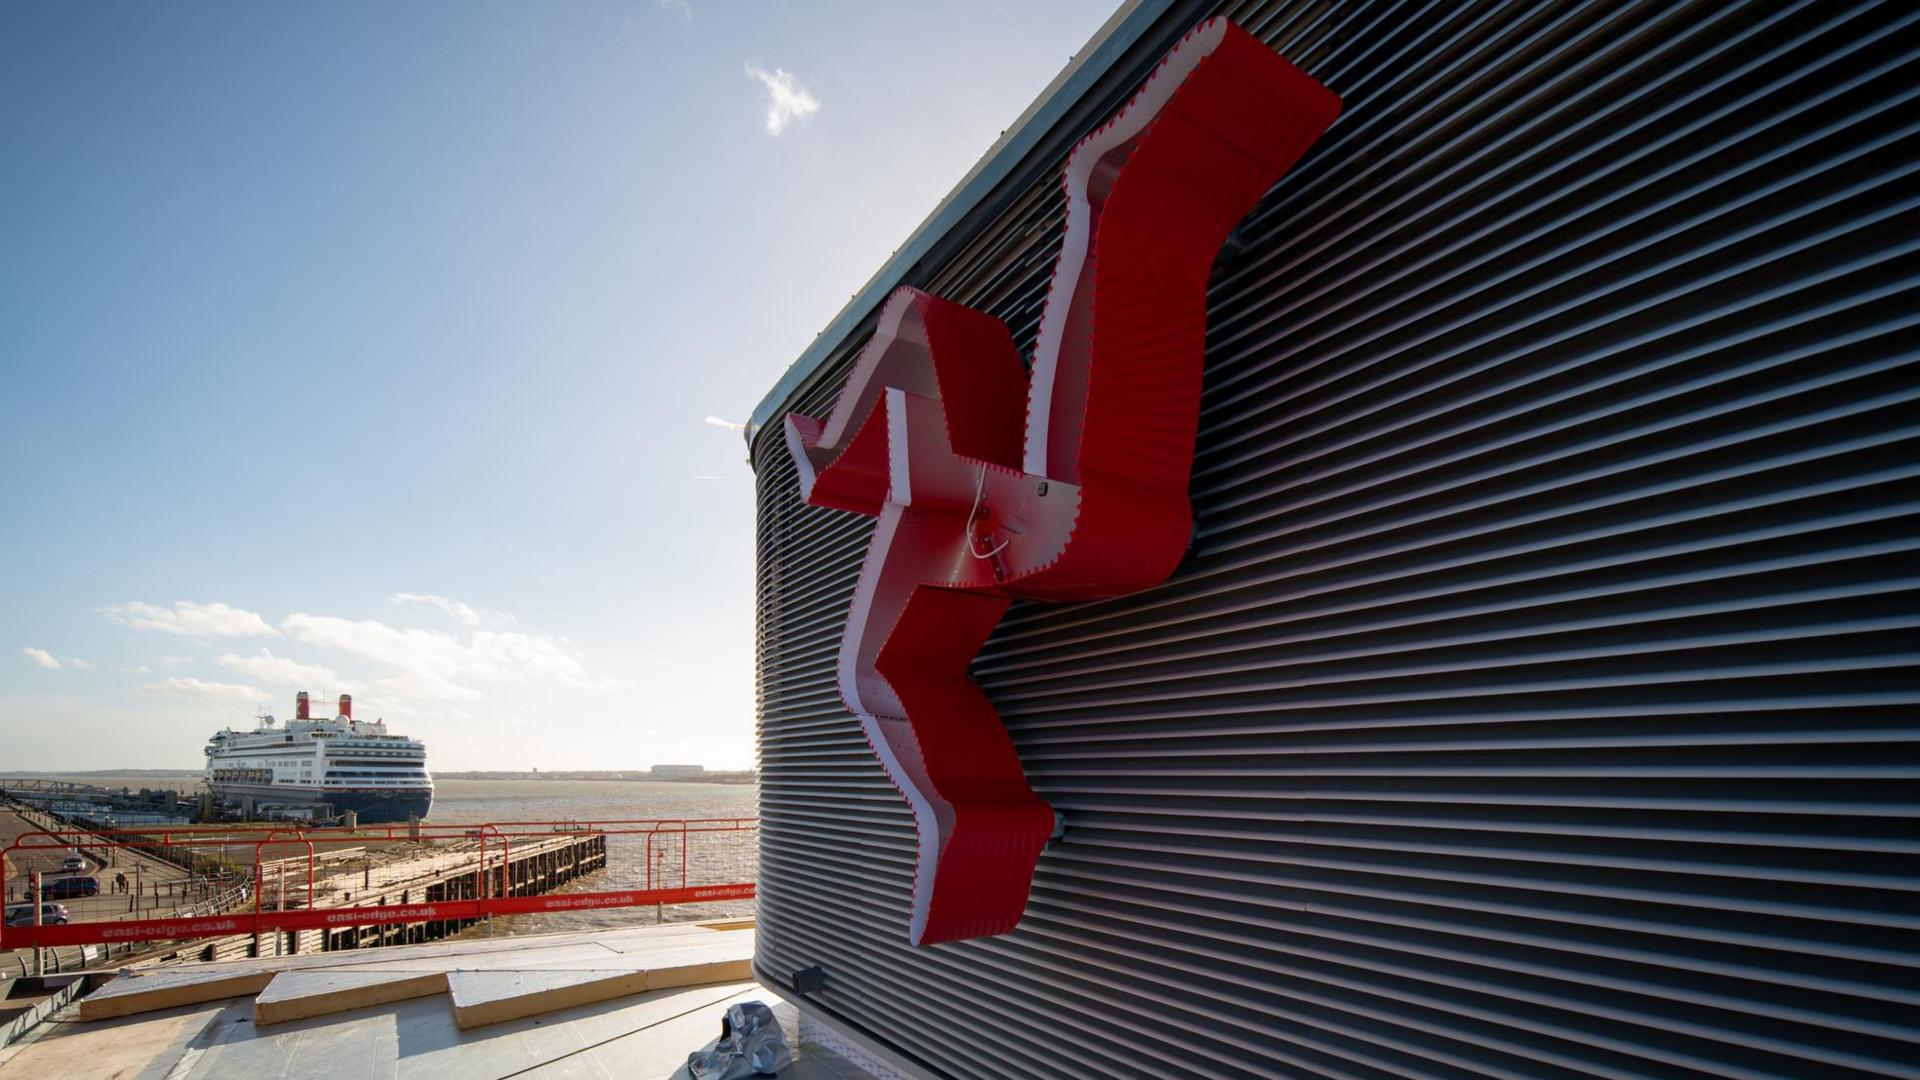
x=300, y=706
x=346, y=706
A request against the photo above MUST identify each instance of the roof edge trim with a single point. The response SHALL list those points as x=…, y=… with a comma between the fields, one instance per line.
x=1108, y=45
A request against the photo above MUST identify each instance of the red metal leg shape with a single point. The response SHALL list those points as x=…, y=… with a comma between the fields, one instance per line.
x=1081, y=496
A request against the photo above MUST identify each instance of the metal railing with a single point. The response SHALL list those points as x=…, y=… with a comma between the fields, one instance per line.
x=685, y=861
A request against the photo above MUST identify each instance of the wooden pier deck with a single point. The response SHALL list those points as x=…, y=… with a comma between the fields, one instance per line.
x=398, y=874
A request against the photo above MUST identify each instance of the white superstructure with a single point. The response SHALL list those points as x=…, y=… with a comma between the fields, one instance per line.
x=346, y=763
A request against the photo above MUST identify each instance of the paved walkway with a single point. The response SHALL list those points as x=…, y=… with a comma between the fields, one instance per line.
x=174, y=887
x=171, y=883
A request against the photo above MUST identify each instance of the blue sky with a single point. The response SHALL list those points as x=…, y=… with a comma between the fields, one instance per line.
x=368, y=348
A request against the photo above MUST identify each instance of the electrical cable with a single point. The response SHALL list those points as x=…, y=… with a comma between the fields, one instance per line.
x=973, y=549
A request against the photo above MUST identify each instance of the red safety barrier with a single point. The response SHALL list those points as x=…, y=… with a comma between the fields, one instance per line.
x=495, y=840
x=251, y=922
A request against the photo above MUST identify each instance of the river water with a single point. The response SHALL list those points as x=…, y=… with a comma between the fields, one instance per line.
x=464, y=801
x=711, y=857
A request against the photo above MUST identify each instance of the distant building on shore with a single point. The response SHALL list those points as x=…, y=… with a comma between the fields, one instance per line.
x=677, y=772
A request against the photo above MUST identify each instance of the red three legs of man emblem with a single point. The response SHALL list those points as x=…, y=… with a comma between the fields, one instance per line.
x=1067, y=485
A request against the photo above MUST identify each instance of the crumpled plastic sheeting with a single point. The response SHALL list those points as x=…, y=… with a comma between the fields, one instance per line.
x=751, y=1044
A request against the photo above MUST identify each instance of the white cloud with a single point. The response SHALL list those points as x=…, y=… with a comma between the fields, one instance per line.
x=194, y=620
x=279, y=670
x=431, y=664
x=428, y=660
x=468, y=615
x=682, y=7
x=42, y=657
x=200, y=688
x=512, y=655
x=728, y=424
x=787, y=100
x=388, y=705
x=54, y=663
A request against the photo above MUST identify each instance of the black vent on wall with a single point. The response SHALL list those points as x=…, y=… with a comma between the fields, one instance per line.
x=1540, y=697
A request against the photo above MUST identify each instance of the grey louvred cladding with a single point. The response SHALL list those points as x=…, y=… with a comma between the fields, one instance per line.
x=1540, y=696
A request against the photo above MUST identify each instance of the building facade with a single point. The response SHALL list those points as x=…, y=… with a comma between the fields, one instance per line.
x=1538, y=696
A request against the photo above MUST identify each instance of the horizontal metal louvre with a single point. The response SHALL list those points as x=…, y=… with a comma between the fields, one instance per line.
x=1540, y=696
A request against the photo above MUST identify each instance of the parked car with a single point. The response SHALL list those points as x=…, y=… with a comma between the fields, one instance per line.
x=50, y=914
x=74, y=863
x=67, y=888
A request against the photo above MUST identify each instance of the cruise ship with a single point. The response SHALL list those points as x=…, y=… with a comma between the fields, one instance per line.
x=341, y=762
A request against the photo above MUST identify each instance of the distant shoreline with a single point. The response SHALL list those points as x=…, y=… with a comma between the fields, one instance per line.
x=743, y=776
x=161, y=774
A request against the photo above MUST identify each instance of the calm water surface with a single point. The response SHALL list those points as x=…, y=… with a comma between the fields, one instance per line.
x=711, y=858
x=463, y=801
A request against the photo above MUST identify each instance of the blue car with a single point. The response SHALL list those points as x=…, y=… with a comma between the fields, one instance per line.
x=67, y=888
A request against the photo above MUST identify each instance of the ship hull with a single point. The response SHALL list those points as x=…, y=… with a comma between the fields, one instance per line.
x=371, y=806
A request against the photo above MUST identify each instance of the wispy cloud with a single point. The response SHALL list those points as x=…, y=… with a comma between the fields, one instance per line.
x=54, y=663
x=42, y=657
x=191, y=619
x=787, y=100
x=683, y=8
x=728, y=424
x=430, y=660
x=435, y=665
x=200, y=688
x=278, y=670
x=467, y=614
